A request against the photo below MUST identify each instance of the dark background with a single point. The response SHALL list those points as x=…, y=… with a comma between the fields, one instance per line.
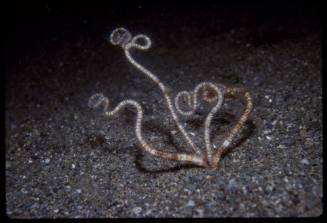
x=29, y=25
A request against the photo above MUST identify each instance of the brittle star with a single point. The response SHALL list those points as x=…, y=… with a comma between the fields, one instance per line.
x=200, y=157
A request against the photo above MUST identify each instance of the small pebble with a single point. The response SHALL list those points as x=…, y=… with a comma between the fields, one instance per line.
x=209, y=177
x=281, y=146
x=24, y=191
x=266, y=132
x=137, y=210
x=244, y=189
x=305, y=161
x=200, y=212
x=190, y=203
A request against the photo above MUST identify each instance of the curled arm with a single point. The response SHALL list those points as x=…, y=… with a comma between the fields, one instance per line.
x=98, y=99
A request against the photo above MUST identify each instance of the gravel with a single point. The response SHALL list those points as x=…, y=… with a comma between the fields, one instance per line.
x=64, y=159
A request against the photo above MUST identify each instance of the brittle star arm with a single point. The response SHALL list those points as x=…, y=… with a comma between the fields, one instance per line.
x=163, y=88
x=218, y=97
x=209, y=118
x=98, y=100
x=231, y=134
x=189, y=103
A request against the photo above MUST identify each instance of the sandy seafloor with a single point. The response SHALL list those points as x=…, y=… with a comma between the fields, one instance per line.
x=64, y=159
